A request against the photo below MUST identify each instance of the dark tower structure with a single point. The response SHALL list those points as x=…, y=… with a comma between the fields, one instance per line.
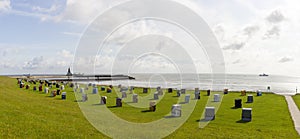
x=69, y=73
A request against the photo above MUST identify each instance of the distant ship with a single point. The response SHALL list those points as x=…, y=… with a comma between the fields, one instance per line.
x=263, y=74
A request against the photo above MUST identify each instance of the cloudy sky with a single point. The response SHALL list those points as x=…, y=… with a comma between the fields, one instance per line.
x=255, y=36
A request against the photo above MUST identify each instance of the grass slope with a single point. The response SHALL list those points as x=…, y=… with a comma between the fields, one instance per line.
x=270, y=119
x=28, y=114
x=297, y=100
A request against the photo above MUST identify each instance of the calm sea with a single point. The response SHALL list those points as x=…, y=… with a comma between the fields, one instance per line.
x=234, y=82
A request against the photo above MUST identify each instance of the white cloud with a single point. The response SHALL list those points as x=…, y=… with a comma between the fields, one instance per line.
x=8, y=51
x=92, y=64
x=133, y=30
x=4, y=5
x=65, y=54
x=34, y=63
x=63, y=60
x=53, y=8
x=81, y=11
x=236, y=61
x=75, y=34
x=7, y=65
x=153, y=64
x=58, y=63
x=234, y=46
x=219, y=32
x=30, y=9
x=275, y=17
x=273, y=32
x=7, y=55
x=285, y=59
x=242, y=27
x=251, y=30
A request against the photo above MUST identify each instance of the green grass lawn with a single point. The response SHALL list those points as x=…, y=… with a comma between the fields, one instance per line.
x=270, y=120
x=29, y=114
x=297, y=100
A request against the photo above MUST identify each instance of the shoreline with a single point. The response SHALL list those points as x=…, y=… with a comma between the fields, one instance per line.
x=192, y=89
x=187, y=86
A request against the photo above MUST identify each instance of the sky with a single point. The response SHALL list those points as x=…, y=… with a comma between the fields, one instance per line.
x=254, y=36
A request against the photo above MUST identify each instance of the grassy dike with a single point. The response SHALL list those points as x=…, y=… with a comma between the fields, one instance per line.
x=270, y=119
x=297, y=100
x=29, y=114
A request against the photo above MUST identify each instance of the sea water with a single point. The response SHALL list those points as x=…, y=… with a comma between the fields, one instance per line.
x=234, y=82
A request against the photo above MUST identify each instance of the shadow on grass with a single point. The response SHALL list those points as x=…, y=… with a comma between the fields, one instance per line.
x=79, y=101
x=113, y=107
x=182, y=102
x=147, y=111
x=170, y=116
x=98, y=104
x=248, y=102
x=241, y=121
x=130, y=102
x=203, y=120
x=234, y=107
x=58, y=99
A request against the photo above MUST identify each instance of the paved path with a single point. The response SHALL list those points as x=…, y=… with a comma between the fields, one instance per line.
x=295, y=113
